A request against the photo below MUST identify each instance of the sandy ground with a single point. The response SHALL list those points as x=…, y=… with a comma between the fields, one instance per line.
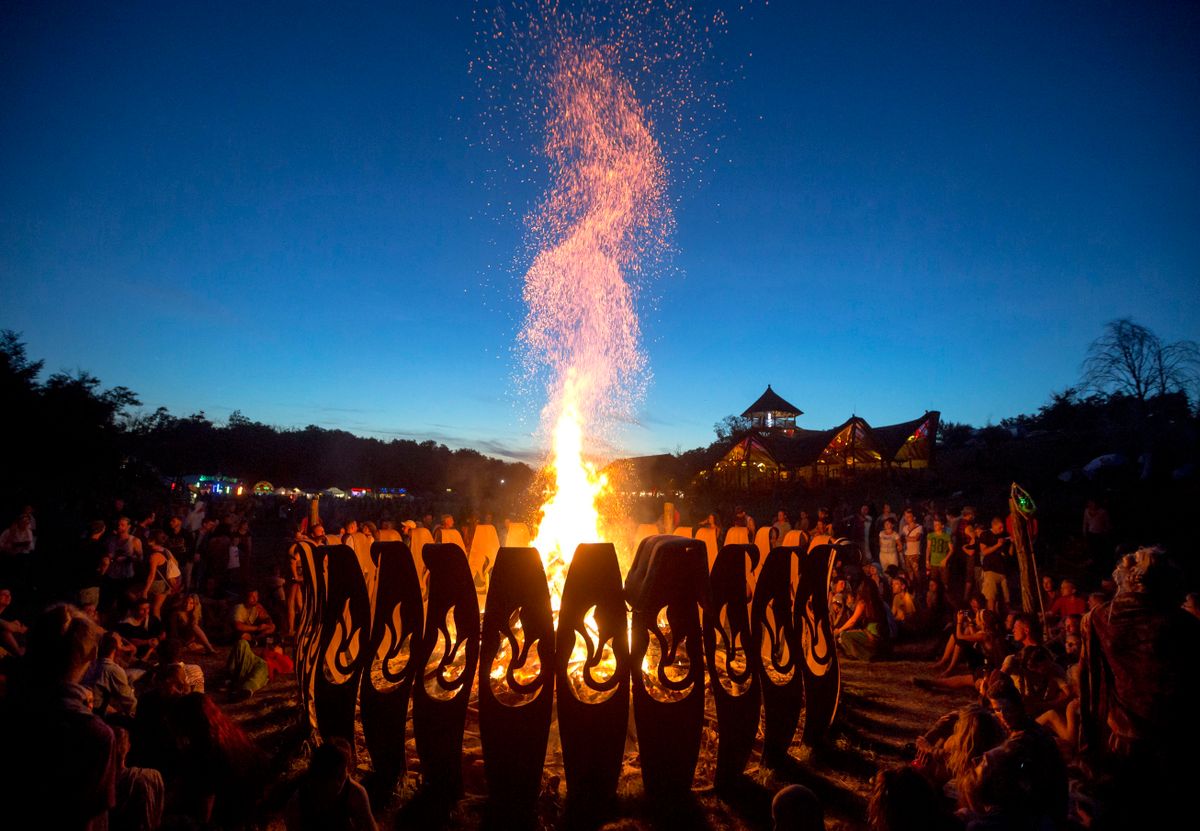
x=881, y=711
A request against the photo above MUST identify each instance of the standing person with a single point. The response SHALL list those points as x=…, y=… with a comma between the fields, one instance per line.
x=889, y=545
x=995, y=548
x=780, y=527
x=196, y=570
x=241, y=547
x=913, y=550
x=742, y=519
x=156, y=587
x=91, y=564
x=179, y=543
x=861, y=530
x=1097, y=532
x=971, y=571
x=124, y=553
x=195, y=517
x=938, y=548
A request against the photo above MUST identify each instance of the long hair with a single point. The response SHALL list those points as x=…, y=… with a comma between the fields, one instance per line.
x=976, y=732
x=868, y=593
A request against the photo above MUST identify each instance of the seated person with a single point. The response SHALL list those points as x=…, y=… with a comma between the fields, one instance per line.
x=1023, y=782
x=327, y=796
x=251, y=620
x=12, y=631
x=171, y=655
x=141, y=629
x=1067, y=602
x=140, y=791
x=904, y=606
x=185, y=626
x=111, y=689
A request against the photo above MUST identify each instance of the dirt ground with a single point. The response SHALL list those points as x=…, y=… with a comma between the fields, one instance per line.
x=880, y=712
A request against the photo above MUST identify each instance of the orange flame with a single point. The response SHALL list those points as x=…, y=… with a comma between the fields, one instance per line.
x=605, y=210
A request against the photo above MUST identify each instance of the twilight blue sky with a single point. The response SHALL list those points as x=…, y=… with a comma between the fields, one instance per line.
x=287, y=209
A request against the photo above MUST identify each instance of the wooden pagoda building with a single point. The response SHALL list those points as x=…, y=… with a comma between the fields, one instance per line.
x=774, y=450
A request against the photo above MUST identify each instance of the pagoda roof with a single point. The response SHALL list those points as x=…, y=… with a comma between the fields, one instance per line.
x=771, y=402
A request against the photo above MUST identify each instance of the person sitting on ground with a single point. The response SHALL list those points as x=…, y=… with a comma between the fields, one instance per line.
x=186, y=628
x=796, y=808
x=937, y=610
x=140, y=792
x=1041, y=682
x=865, y=633
x=952, y=747
x=171, y=655
x=251, y=620
x=1067, y=603
x=12, y=631
x=1063, y=719
x=1024, y=633
x=1023, y=782
x=981, y=645
x=111, y=690
x=904, y=606
x=245, y=672
x=1191, y=604
x=141, y=629
x=839, y=602
x=59, y=764
x=903, y=799
x=327, y=796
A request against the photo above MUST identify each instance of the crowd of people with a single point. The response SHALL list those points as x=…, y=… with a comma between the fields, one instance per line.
x=105, y=656
x=1073, y=693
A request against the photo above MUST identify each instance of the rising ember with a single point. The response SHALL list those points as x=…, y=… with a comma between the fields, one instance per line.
x=603, y=216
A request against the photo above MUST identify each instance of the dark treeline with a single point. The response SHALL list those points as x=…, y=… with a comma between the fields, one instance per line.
x=73, y=444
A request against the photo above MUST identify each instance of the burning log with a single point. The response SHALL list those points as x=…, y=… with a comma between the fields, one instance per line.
x=734, y=667
x=312, y=569
x=822, y=676
x=449, y=656
x=592, y=675
x=777, y=642
x=667, y=587
x=516, y=684
x=345, y=629
x=389, y=668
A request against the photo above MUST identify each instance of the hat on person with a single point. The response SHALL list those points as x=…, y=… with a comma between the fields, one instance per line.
x=409, y=524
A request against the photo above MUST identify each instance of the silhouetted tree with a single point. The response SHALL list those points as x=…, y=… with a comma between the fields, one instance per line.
x=1131, y=360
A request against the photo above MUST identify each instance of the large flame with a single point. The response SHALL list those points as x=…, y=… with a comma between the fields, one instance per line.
x=603, y=212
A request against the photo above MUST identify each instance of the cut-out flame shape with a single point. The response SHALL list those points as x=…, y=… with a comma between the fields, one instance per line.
x=776, y=654
x=342, y=651
x=447, y=661
x=733, y=672
x=516, y=669
x=817, y=653
x=592, y=671
x=389, y=667
x=666, y=667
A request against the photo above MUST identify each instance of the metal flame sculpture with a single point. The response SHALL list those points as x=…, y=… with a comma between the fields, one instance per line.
x=734, y=668
x=307, y=654
x=776, y=640
x=388, y=676
x=822, y=675
x=449, y=657
x=592, y=675
x=667, y=588
x=342, y=646
x=516, y=689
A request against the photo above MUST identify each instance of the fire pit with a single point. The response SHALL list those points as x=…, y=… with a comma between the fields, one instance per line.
x=767, y=642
